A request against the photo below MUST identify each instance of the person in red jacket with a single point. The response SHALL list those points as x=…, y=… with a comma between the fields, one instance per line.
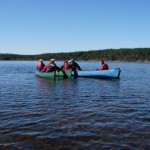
x=65, y=65
x=40, y=65
x=51, y=66
x=104, y=65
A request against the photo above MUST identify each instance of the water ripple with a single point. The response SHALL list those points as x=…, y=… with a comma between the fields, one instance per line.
x=81, y=113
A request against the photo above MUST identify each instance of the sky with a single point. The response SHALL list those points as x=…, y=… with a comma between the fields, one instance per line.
x=51, y=26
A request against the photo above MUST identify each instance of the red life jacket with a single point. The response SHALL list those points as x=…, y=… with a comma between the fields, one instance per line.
x=49, y=68
x=104, y=67
x=45, y=67
x=39, y=65
x=66, y=66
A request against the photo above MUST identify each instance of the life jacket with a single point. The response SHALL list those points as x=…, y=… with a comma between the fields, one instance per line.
x=39, y=65
x=50, y=68
x=45, y=68
x=104, y=67
x=66, y=66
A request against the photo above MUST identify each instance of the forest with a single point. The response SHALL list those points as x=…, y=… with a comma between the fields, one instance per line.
x=122, y=54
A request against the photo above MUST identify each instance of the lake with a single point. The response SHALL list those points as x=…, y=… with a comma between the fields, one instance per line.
x=82, y=113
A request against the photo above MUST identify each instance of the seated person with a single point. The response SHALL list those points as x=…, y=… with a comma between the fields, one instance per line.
x=40, y=65
x=65, y=65
x=51, y=66
x=104, y=65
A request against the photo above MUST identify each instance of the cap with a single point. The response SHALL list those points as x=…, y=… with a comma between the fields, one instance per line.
x=70, y=61
x=52, y=60
x=40, y=59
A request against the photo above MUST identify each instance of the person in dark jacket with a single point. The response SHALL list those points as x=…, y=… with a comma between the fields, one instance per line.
x=74, y=65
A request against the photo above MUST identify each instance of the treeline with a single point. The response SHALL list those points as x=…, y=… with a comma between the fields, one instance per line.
x=124, y=54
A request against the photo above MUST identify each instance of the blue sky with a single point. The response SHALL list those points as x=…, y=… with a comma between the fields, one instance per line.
x=49, y=26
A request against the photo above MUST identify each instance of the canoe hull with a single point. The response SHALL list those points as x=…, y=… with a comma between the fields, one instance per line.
x=64, y=74
x=113, y=73
x=46, y=75
x=55, y=74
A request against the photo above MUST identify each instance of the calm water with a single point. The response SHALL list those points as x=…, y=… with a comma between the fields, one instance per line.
x=74, y=114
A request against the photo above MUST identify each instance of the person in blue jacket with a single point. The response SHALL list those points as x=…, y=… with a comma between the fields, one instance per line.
x=74, y=65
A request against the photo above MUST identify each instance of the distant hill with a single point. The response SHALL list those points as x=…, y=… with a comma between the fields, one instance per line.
x=123, y=54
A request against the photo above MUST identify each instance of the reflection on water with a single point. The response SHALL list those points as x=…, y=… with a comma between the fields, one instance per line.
x=81, y=113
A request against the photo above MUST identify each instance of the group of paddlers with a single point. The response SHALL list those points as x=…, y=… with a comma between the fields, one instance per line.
x=51, y=66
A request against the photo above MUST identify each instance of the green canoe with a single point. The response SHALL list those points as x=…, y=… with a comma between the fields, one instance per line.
x=47, y=75
x=52, y=75
x=64, y=74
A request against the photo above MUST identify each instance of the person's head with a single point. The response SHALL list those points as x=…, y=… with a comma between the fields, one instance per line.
x=70, y=62
x=102, y=61
x=52, y=61
x=65, y=61
x=40, y=60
